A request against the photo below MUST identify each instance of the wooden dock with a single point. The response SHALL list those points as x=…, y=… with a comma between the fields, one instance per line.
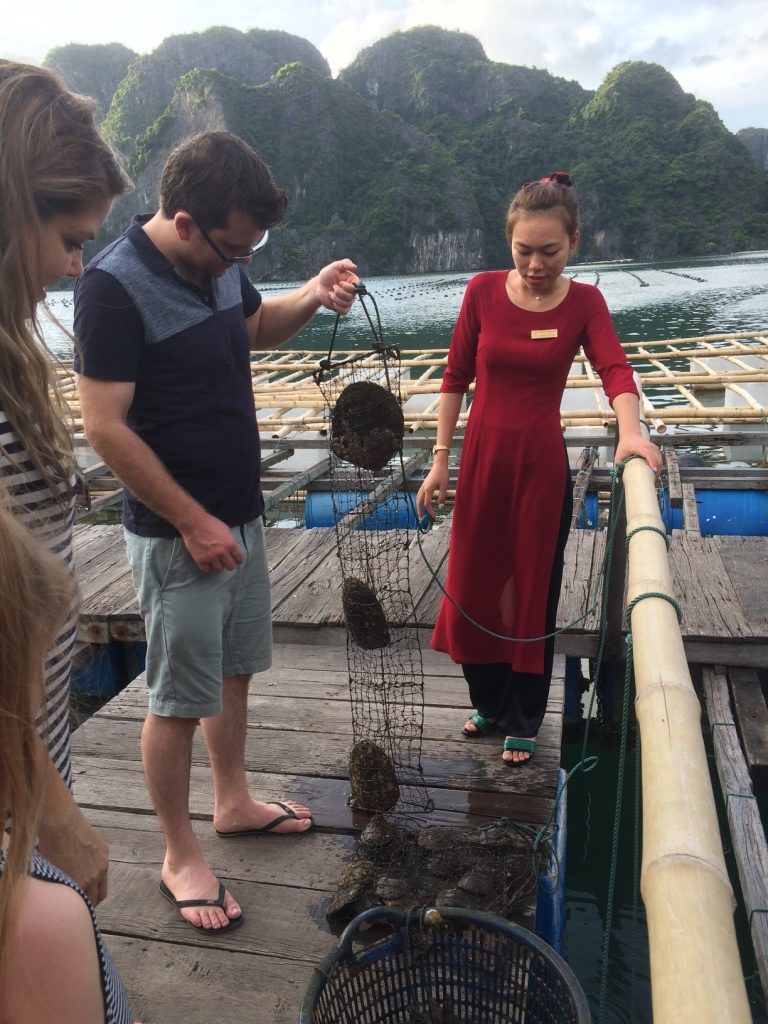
x=299, y=736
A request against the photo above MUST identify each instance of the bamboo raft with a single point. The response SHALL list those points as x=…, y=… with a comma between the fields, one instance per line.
x=677, y=370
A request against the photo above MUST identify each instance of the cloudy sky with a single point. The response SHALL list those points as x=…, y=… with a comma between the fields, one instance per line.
x=716, y=51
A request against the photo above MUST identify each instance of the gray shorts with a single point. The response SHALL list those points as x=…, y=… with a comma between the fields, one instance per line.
x=201, y=627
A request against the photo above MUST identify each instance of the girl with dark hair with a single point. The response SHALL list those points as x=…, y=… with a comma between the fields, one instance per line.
x=517, y=335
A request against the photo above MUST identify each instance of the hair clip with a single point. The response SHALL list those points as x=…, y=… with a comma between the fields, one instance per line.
x=555, y=178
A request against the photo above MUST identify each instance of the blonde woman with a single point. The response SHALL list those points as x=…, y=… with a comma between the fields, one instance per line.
x=53, y=965
x=57, y=180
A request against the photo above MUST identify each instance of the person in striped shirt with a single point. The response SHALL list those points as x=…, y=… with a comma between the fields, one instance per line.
x=57, y=180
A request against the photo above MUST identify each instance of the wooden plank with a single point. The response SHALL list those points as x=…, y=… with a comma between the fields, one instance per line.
x=168, y=983
x=323, y=716
x=746, y=828
x=275, y=456
x=297, y=928
x=428, y=604
x=453, y=762
x=749, y=654
x=674, y=485
x=582, y=482
x=579, y=581
x=314, y=546
x=426, y=558
x=711, y=608
x=746, y=562
x=751, y=718
x=309, y=685
x=119, y=784
x=316, y=598
x=296, y=483
x=690, y=510
x=317, y=858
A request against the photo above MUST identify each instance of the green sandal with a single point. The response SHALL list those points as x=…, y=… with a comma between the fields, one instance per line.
x=514, y=743
x=482, y=726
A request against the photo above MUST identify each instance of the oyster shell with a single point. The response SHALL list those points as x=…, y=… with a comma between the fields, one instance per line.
x=365, y=618
x=366, y=425
x=372, y=778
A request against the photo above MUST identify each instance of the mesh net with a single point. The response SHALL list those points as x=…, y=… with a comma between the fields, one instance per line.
x=400, y=861
x=373, y=521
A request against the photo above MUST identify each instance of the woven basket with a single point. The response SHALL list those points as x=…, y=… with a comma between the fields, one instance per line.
x=443, y=966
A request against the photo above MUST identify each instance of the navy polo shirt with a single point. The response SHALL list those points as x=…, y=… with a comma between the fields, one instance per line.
x=187, y=351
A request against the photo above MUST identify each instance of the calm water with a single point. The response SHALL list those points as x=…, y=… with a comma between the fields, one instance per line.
x=648, y=301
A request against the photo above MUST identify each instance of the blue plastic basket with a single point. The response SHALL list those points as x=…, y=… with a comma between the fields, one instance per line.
x=443, y=964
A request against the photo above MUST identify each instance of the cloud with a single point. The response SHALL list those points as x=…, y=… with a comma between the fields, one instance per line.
x=718, y=54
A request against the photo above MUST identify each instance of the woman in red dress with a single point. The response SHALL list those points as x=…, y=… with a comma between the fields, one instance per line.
x=516, y=336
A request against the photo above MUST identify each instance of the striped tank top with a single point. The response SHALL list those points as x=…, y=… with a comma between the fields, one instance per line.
x=50, y=518
x=117, y=1009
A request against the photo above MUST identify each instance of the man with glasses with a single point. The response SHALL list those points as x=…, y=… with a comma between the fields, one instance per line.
x=166, y=318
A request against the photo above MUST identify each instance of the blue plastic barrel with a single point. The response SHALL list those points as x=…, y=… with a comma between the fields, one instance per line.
x=550, y=894
x=324, y=508
x=722, y=513
x=109, y=668
x=588, y=513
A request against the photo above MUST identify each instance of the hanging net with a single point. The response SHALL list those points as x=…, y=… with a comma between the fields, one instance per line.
x=400, y=861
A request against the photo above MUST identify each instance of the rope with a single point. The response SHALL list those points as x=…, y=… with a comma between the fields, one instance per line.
x=639, y=529
x=616, y=830
x=593, y=597
x=655, y=593
x=635, y=879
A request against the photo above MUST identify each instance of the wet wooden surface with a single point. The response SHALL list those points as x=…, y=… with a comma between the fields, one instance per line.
x=299, y=736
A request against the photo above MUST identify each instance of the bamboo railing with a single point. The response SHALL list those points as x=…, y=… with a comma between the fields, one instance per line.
x=696, y=972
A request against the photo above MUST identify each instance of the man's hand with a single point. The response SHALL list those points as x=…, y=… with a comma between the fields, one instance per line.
x=69, y=841
x=211, y=544
x=336, y=285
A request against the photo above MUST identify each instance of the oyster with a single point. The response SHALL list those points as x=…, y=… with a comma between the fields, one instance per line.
x=389, y=889
x=372, y=778
x=366, y=425
x=365, y=618
x=477, y=882
x=355, y=892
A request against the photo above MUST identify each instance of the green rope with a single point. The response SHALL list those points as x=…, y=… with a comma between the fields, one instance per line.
x=654, y=529
x=635, y=879
x=616, y=830
x=654, y=593
x=615, y=507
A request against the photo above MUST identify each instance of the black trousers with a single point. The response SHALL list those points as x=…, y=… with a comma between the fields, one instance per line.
x=518, y=700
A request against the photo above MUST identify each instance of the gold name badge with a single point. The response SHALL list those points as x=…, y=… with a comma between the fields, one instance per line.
x=544, y=334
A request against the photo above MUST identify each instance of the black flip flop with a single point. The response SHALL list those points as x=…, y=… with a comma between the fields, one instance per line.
x=270, y=826
x=234, y=922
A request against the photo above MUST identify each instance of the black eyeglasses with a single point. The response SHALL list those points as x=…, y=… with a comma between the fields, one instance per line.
x=234, y=259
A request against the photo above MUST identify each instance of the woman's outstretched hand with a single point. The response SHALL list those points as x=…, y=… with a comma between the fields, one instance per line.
x=435, y=481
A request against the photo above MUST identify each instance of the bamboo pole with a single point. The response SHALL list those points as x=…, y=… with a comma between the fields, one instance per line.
x=696, y=973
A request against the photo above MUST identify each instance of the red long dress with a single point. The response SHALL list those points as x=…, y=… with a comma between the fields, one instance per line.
x=509, y=495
